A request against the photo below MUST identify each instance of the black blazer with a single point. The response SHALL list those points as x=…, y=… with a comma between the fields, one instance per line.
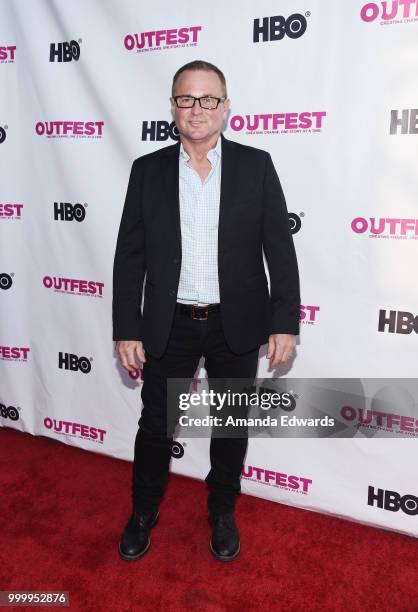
x=252, y=217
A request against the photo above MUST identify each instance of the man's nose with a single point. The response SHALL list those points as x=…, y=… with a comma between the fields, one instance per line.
x=196, y=110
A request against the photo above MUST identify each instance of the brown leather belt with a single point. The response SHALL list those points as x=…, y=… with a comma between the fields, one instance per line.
x=200, y=313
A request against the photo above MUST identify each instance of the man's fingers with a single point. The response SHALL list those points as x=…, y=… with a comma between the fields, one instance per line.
x=124, y=362
x=271, y=347
x=277, y=356
x=140, y=352
x=127, y=351
x=281, y=355
x=283, y=358
x=128, y=361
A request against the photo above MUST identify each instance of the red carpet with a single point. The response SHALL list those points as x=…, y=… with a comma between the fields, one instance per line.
x=63, y=509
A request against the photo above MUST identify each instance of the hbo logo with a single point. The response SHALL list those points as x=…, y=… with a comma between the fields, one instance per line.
x=390, y=500
x=64, y=52
x=159, y=130
x=64, y=211
x=399, y=322
x=295, y=223
x=5, y=281
x=276, y=28
x=68, y=361
x=177, y=450
x=9, y=412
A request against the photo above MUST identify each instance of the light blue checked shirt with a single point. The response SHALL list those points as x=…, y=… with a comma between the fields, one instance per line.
x=199, y=216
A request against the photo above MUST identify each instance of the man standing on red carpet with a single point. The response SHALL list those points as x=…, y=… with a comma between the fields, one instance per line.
x=197, y=216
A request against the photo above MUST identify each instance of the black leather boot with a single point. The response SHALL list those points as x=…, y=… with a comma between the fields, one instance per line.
x=135, y=540
x=224, y=543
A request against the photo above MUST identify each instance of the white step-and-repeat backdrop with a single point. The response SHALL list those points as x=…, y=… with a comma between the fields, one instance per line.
x=329, y=88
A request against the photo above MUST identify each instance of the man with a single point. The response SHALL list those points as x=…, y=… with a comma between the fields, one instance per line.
x=196, y=219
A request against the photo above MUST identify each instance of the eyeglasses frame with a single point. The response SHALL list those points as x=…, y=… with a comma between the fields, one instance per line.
x=200, y=104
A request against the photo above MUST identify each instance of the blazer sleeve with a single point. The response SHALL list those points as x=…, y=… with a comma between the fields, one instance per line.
x=280, y=254
x=129, y=263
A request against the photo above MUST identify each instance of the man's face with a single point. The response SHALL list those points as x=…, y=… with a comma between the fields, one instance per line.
x=199, y=124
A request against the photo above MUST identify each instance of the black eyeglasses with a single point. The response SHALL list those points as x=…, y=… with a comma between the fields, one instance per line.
x=208, y=102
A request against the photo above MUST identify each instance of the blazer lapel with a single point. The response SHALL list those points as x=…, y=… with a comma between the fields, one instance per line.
x=228, y=181
x=170, y=179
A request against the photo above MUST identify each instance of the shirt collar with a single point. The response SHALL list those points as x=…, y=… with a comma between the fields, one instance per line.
x=212, y=153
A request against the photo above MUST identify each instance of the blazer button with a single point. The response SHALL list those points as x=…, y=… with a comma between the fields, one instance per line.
x=171, y=292
x=176, y=261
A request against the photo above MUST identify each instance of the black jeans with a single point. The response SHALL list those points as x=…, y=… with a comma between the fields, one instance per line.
x=189, y=340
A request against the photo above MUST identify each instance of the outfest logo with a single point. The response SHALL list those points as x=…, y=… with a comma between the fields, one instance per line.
x=10, y=210
x=136, y=375
x=75, y=430
x=14, y=353
x=386, y=227
x=278, y=123
x=74, y=285
x=380, y=420
x=308, y=314
x=271, y=478
x=157, y=40
x=7, y=54
x=70, y=129
x=390, y=12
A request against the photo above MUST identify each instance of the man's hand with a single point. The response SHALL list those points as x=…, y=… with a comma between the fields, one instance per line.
x=281, y=348
x=127, y=350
